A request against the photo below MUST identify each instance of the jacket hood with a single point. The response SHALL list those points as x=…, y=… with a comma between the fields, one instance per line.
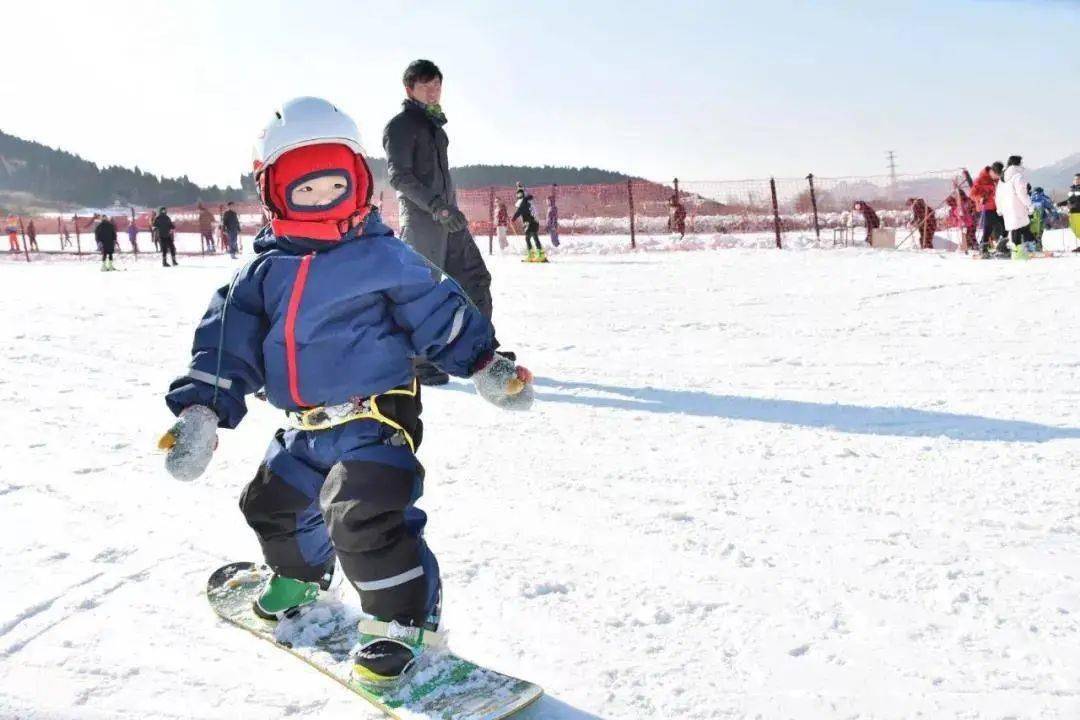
x=1011, y=172
x=266, y=239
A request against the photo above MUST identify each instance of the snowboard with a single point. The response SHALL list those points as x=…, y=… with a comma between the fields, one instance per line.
x=442, y=687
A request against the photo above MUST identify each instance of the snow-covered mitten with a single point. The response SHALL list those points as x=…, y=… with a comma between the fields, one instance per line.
x=190, y=442
x=504, y=384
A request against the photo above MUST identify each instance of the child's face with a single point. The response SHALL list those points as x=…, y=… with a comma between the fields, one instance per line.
x=322, y=191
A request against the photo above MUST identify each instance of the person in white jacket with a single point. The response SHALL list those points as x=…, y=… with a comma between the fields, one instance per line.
x=1014, y=204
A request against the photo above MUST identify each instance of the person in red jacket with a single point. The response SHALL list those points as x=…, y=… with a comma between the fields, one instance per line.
x=982, y=193
x=869, y=217
x=923, y=220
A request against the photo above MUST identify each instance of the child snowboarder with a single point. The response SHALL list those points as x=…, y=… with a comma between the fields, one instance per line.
x=532, y=225
x=1044, y=214
x=327, y=318
x=1072, y=204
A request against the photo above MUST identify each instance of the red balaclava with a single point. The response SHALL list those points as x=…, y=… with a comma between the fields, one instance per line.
x=327, y=223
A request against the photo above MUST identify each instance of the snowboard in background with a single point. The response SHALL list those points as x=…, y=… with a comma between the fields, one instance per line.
x=444, y=687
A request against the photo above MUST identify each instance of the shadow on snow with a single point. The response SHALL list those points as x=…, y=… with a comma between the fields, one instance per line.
x=855, y=419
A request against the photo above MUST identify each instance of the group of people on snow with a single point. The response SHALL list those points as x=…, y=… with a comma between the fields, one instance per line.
x=1000, y=208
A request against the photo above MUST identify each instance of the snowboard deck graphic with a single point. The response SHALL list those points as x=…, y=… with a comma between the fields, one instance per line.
x=443, y=687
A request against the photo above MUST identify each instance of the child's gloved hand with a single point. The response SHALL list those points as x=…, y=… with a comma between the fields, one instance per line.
x=504, y=384
x=190, y=442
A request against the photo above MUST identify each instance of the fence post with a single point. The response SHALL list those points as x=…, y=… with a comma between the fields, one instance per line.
x=630, y=196
x=775, y=213
x=813, y=202
x=60, y=232
x=491, y=217
x=78, y=237
x=25, y=245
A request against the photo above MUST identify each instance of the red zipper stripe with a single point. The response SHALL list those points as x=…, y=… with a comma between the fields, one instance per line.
x=290, y=330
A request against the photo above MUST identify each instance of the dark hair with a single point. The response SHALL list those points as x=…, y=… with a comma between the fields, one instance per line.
x=420, y=71
x=230, y=203
x=161, y=209
x=1014, y=160
x=1038, y=190
x=998, y=168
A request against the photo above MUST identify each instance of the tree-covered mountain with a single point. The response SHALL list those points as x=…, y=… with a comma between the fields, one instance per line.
x=478, y=176
x=33, y=175
x=56, y=178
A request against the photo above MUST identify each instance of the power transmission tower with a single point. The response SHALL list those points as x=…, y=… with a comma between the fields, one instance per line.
x=892, y=173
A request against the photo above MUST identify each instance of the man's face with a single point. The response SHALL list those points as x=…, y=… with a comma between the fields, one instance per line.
x=1076, y=179
x=323, y=191
x=995, y=174
x=429, y=92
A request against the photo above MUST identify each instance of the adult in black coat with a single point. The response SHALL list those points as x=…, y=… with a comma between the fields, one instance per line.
x=416, y=156
x=105, y=235
x=164, y=227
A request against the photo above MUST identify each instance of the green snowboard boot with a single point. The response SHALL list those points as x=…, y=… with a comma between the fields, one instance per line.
x=283, y=597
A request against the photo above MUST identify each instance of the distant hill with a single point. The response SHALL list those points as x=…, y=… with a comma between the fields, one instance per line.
x=35, y=176
x=478, y=176
x=1056, y=178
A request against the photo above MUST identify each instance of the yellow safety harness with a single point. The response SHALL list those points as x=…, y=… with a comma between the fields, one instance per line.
x=325, y=417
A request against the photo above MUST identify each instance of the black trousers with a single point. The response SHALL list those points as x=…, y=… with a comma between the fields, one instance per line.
x=168, y=247
x=466, y=265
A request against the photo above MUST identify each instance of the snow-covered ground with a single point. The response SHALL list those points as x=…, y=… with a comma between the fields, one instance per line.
x=759, y=484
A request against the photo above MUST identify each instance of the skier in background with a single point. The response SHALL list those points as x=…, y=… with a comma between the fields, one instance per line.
x=206, y=228
x=1072, y=204
x=13, y=234
x=133, y=236
x=982, y=192
x=961, y=213
x=1045, y=213
x=165, y=231
x=343, y=480
x=230, y=223
x=1014, y=205
x=524, y=211
x=31, y=235
x=923, y=220
x=105, y=236
x=502, y=220
x=553, y=217
x=676, y=216
x=870, y=218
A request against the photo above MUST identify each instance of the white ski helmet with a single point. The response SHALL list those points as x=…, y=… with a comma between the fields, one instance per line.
x=304, y=121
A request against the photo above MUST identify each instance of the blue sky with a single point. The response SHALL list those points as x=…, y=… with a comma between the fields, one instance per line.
x=702, y=90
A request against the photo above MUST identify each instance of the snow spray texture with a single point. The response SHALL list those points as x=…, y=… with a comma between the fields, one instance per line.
x=363, y=306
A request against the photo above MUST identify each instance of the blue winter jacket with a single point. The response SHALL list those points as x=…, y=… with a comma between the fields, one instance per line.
x=318, y=324
x=1041, y=200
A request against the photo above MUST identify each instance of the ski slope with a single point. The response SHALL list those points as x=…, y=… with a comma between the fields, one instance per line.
x=797, y=484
